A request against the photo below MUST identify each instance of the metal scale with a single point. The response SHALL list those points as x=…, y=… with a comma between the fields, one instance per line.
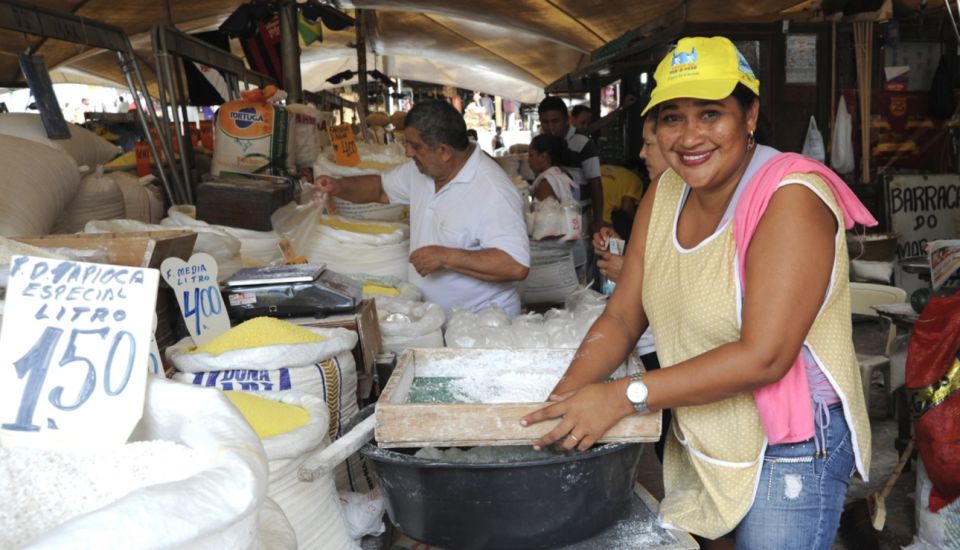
x=304, y=290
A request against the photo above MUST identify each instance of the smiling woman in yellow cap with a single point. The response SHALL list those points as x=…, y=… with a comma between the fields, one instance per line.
x=738, y=263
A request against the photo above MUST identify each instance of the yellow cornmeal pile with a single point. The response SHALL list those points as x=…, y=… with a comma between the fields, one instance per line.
x=259, y=332
x=269, y=418
x=378, y=166
x=379, y=289
x=357, y=227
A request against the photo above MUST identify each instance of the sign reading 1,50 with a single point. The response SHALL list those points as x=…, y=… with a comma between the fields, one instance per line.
x=35, y=365
x=206, y=302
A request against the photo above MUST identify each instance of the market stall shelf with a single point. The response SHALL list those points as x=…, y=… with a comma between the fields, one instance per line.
x=138, y=249
x=476, y=397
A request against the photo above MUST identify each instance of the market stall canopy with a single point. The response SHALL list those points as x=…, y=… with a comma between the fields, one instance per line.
x=514, y=49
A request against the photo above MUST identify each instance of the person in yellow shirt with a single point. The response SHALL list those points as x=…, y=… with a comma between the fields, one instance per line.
x=622, y=189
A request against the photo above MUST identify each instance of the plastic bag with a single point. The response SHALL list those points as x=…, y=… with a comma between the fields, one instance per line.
x=813, y=146
x=406, y=324
x=363, y=513
x=841, y=157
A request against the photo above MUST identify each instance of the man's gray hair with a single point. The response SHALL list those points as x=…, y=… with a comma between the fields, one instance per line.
x=438, y=122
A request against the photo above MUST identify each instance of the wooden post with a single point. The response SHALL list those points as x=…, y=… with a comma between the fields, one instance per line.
x=863, y=48
x=290, y=51
x=361, y=26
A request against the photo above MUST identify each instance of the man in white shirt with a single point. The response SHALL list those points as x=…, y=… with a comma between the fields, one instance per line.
x=467, y=234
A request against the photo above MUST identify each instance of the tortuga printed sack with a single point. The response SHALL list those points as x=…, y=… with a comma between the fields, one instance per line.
x=253, y=137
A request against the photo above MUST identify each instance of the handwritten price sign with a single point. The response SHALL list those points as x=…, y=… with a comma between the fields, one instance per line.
x=73, y=352
x=198, y=293
x=344, y=145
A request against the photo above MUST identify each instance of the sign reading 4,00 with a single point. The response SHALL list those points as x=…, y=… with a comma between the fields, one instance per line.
x=74, y=352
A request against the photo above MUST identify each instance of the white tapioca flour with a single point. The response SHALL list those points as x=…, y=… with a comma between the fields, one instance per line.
x=41, y=489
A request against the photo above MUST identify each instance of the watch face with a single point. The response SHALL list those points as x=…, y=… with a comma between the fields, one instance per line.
x=637, y=392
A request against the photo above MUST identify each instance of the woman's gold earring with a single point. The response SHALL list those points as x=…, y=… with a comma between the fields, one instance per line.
x=751, y=141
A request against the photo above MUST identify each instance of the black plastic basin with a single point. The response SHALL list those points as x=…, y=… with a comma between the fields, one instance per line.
x=558, y=500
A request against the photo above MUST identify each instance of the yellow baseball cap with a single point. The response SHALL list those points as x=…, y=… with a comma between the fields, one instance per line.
x=701, y=68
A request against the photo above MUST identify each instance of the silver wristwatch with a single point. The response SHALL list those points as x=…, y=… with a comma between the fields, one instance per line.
x=637, y=393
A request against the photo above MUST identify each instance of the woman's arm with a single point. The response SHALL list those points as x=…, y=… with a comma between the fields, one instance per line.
x=616, y=331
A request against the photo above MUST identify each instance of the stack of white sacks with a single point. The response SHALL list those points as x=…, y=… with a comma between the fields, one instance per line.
x=315, y=375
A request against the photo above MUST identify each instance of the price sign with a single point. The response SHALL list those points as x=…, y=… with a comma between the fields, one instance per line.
x=198, y=293
x=73, y=352
x=344, y=145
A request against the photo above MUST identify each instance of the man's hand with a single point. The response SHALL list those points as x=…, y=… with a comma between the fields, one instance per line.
x=327, y=184
x=428, y=259
x=601, y=237
x=610, y=265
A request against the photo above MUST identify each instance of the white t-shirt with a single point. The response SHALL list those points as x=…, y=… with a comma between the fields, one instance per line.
x=478, y=209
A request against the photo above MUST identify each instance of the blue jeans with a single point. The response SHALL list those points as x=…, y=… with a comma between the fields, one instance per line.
x=800, y=496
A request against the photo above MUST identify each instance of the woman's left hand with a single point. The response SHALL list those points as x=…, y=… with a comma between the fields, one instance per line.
x=585, y=416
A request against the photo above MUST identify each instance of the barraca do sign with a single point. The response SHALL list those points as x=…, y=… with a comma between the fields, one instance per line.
x=74, y=352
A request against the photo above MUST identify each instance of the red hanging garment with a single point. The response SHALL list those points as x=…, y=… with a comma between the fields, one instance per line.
x=932, y=383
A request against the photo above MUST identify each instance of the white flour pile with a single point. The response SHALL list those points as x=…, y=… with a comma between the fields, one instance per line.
x=41, y=489
x=498, y=362
x=506, y=388
x=483, y=455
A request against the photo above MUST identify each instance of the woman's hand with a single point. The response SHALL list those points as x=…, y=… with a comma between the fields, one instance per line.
x=585, y=415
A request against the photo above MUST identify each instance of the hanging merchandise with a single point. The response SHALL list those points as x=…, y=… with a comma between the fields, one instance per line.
x=38, y=183
x=841, y=155
x=813, y=146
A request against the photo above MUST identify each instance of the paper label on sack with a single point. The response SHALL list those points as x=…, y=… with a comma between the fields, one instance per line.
x=198, y=294
x=344, y=145
x=73, y=352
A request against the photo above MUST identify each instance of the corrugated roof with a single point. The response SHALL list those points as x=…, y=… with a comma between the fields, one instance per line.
x=512, y=48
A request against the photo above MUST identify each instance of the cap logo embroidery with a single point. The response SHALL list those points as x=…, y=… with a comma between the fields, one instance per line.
x=744, y=66
x=684, y=58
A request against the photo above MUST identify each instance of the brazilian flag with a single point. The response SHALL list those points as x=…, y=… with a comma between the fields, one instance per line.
x=309, y=32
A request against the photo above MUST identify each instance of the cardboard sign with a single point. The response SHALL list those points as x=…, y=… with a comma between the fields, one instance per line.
x=344, y=145
x=73, y=352
x=198, y=294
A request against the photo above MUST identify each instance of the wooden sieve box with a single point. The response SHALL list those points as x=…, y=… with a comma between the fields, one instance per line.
x=421, y=405
x=244, y=204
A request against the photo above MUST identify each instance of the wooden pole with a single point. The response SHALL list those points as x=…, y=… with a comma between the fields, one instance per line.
x=863, y=49
x=361, y=27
